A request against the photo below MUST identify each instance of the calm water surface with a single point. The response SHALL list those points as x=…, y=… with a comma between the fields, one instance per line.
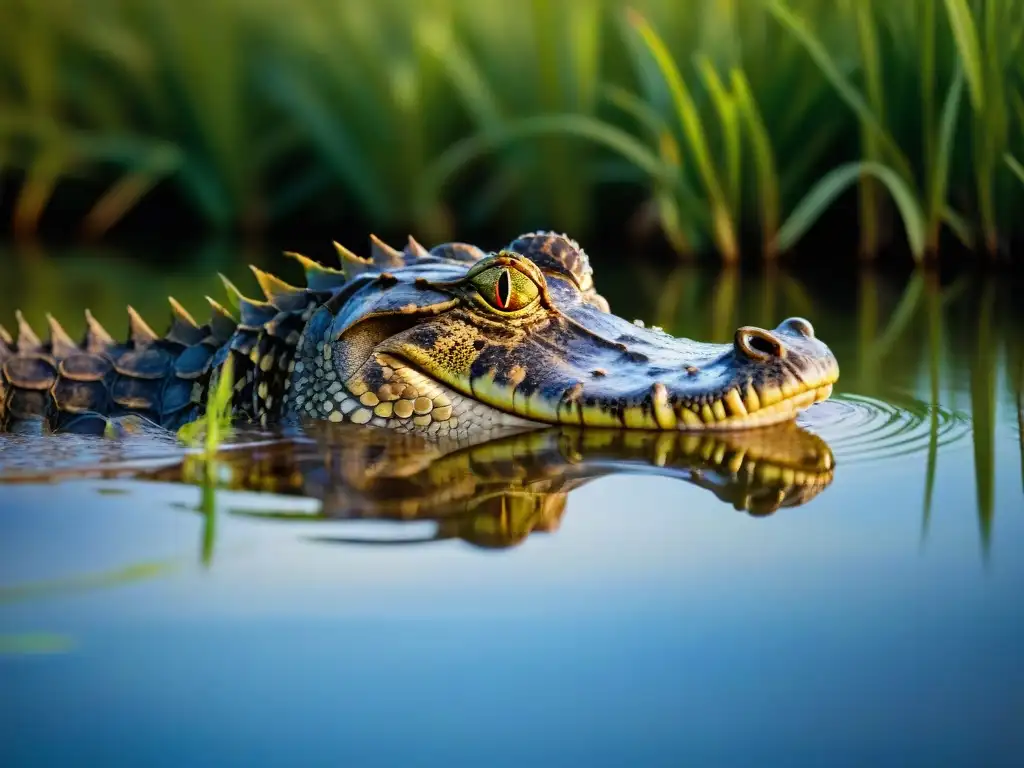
x=837, y=591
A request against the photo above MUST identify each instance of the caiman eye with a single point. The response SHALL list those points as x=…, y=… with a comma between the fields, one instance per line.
x=506, y=289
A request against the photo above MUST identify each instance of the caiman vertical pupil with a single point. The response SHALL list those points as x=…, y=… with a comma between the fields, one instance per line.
x=503, y=290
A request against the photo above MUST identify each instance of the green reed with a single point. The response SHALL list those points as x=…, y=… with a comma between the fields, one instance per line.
x=203, y=469
x=736, y=121
x=983, y=413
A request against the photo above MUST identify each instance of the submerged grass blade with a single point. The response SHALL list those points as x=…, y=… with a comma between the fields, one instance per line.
x=101, y=580
x=34, y=643
x=213, y=426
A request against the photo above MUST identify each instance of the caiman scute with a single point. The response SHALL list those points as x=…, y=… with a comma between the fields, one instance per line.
x=449, y=342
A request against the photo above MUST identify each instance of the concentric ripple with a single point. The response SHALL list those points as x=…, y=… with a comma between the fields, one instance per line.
x=865, y=429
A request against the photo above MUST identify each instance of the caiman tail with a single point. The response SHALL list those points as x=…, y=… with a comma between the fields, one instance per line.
x=58, y=384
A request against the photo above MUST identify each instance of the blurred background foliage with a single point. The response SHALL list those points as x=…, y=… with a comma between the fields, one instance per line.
x=729, y=126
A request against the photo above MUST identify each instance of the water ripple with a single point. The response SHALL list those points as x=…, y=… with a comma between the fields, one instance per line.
x=862, y=429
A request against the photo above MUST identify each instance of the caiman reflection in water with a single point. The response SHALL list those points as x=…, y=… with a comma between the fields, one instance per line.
x=496, y=493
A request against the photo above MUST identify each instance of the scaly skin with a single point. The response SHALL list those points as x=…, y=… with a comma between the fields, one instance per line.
x=451, y=343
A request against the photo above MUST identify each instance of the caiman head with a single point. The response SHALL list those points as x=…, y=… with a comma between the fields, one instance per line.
x=454, y=341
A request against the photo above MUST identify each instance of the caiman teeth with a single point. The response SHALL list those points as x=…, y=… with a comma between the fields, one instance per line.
x=663, y=412
x=752, y=409
x=751, y=400
x=735, y=403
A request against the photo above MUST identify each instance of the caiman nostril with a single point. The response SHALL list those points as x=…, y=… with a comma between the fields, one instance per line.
x=758, y=343
x=798, y=326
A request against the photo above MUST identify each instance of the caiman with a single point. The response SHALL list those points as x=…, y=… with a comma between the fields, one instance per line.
x=450, y=342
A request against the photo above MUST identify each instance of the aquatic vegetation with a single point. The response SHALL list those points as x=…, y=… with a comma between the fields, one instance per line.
x=212, y=427
x=724, y=121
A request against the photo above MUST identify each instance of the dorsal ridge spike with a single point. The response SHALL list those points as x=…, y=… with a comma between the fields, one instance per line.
x=308, y=265
x=219, y=308
x=222, y=323
x=347, y=256
x=351, y=264
x=318, y=276
x=416, y=249
x=271, y=285
x=96, y=336
x=5, y=337
x=95, y=333
x=384, y=256
x=61, y=344
x=235, y=297
x=139, y=331
x=27, y=338
x=178, y=312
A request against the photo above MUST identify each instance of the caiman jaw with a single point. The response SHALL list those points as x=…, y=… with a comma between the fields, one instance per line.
x=656, y=383
x=766, y=377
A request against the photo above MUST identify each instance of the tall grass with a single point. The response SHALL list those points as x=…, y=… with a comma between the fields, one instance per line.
x=736, y=123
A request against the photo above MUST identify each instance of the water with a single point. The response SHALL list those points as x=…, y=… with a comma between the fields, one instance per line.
x=839, y=591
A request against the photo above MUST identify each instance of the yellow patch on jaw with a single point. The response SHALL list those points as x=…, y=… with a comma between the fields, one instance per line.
x=537, y=407
x=597, y=416
x=486, y=391
x=637, y=417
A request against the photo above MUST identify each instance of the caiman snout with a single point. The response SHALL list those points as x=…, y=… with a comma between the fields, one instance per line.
x=759, y=344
